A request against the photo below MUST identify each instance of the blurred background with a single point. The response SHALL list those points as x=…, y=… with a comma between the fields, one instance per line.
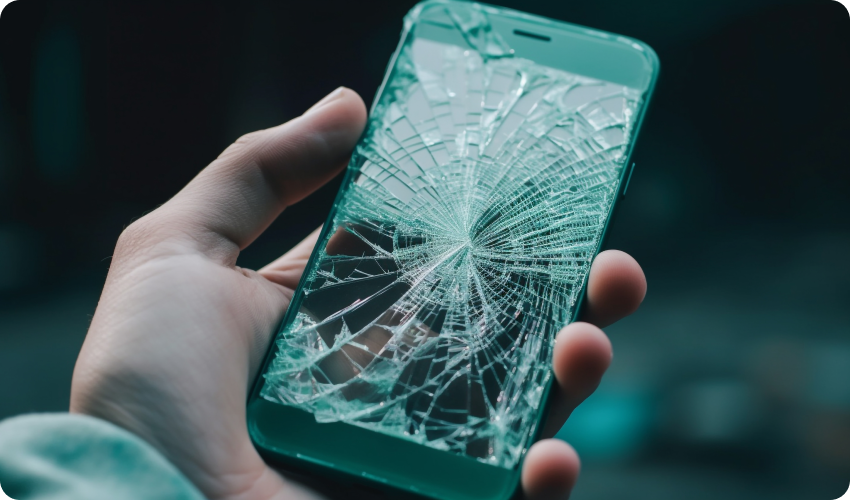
x=732, y=381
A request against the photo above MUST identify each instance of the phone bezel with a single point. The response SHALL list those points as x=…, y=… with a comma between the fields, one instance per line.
x=356, y=456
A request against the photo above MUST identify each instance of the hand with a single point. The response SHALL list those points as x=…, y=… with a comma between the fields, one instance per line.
x=180, y=331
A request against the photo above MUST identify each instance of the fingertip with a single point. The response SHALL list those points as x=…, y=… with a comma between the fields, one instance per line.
x=616, y=287
x=581, y=356
x=356, y=104
x=342, y=107
x=550, y=470
x=303, y=154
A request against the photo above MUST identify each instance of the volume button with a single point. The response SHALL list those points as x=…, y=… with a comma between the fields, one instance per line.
x=629, y=179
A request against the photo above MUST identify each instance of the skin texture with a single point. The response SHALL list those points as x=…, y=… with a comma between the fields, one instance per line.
x=180, y=331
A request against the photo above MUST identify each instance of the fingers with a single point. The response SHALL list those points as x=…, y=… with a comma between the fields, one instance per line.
x=237, y=196
x=582, y=354
x=287, y=269
x=615, y=288
x=550, y=470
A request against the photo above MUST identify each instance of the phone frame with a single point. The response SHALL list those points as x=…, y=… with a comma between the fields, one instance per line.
x=354, y=456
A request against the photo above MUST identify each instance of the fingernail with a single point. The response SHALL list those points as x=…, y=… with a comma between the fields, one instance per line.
x=336, y=94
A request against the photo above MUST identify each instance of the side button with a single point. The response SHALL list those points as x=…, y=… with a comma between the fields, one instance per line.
x=629, y=179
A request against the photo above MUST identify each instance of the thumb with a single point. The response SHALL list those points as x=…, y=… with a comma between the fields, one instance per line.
x=232, y=201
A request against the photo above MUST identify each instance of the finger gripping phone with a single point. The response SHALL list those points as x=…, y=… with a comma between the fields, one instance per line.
x=415, y=356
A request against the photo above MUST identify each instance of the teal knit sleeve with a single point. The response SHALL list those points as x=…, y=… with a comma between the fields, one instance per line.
x=71, y=457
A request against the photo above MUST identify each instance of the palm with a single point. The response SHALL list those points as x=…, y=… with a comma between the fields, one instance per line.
x=213, y=319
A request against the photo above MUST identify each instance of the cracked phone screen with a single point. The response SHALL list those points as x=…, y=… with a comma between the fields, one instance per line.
x=458, y=247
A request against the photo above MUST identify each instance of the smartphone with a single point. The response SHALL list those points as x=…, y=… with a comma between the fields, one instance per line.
x=414, y=358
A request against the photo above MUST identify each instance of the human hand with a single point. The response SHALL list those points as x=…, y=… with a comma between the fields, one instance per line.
x=180, y=331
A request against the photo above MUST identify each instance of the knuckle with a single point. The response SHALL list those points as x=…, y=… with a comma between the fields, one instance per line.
x=248, y=138
x=137, y=235
x=243, y=146
x=240, y=151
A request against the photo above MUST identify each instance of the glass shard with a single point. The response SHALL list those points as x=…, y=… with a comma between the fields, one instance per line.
x=479, y=196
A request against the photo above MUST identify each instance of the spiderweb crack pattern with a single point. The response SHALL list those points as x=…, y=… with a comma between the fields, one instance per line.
x=481, y=191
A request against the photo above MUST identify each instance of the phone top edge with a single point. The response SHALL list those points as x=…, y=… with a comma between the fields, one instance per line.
x=598, y=54
x=636, y=44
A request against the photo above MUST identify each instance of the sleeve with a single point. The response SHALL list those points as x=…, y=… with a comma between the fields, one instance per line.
x=71, y=457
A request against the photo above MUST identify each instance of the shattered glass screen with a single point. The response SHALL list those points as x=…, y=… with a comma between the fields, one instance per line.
x=480, y=193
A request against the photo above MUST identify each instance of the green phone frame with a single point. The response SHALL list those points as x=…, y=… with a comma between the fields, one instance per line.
x=355, y=457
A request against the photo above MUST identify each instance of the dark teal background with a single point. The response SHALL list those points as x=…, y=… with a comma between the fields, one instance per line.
x=732, y=381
